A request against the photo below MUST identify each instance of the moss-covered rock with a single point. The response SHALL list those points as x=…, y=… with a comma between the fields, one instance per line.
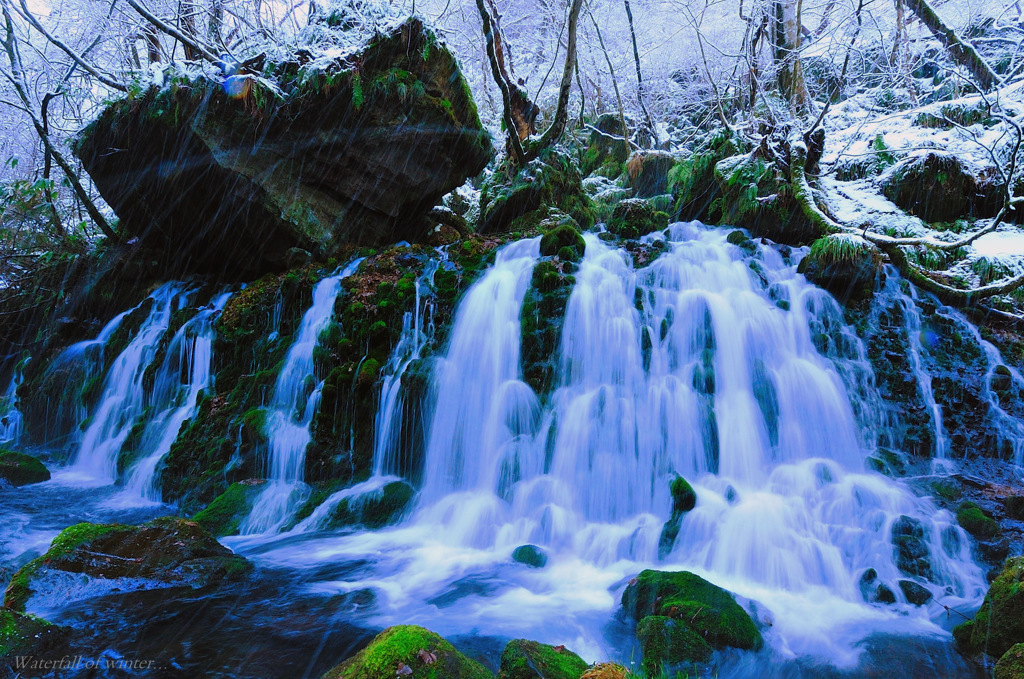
x=524, y=659
x=844, y=265
x=684, y=498
x=518, y=199
x=648, y=172
x=407, y=650
x=375, y=509
x=27, y=635
x=226, y=513
x=635, y=217
x=939, y=187
x=563, y=241
x=973, y=520
x=530, y=555
x=19, y=469
x=692, y=180
x=914, y=592
x=607, y=670
x=607, y=149
x=664, y=640
x=299, y=167
x=1011, y=664
x=691, y=600
x=170, y=551
x=999, y=624
x=540, y=322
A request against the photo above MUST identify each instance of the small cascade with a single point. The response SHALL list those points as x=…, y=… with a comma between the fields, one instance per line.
x=187, y=371
x=123, y=396
x=417, y=329
x=321, y=516
x=290, y=415
x=10, y=416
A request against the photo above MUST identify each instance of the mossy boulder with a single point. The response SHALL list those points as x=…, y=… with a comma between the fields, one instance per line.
x=691, y=600
x=19, y=469
x=530, y=555
x=375, y=509
x=999, y=624
x=648, y=172
x=1011, y=664
x=684, y=498
x=226, y=513
x=519, y=199
x=562, y=239
x=524, y=659
x=664, y=640
x=940, y=187
x=607, y=150
x=22, y=634
x=692, y=182
x=973, y=520
x=843, y=264
x=541, y=319
x=635, y=217
x=355, y=151
x=169, y=551
x=407, y=650
x=915, y=593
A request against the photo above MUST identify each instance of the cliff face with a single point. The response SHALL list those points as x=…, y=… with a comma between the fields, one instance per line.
x=231, y=173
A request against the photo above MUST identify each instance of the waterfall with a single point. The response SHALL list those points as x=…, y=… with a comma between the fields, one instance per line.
x=123, y=396
x=10, y=416
x=714, y=363
x=290, y=414
x=186, y=371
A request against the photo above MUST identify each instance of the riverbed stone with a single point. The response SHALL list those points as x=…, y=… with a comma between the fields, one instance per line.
x=409, y=651
x=525, y=659
x=19, y=469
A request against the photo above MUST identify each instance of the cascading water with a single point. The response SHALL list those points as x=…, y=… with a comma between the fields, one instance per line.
x=730, y=370
x=10, y=416
x=123, y=394
x=187, y=371
x=290, y=415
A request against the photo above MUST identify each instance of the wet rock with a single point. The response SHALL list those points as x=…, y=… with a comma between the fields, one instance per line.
x=973, y=520
x=909, y=538
x=19, y=469
x=648, y=172
x=692, y=601
x=684, y=498
x=939, y=187
x=562, y=239
x=166, y=552
x=373, y=510
x=999, y=624
x=520, y=199
x=27, y=635
x=344, y=155
x=1014, y=506
x=408, y=651
x=1011, y=664
x=1002, y=379
x=530, y=555
x=915, y=593
x=523, y=659
x=844, y=265
x=664, y=640
x=635, y=217
x=225, y=514
x=888, y=462
x=874, y=591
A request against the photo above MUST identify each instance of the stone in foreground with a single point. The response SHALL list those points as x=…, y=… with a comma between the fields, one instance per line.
x=408, y=651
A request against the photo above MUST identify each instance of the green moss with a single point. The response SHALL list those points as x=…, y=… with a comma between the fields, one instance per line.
x=686, y=597
x=564, y=241
x=428, y=656
x=1011, y=664
x=974, y=521
x=999, y=624
x=374, y=510
x=530, y=555
x=24, y=634
x=664, y=640
x=636, y=217
x=524, y=659
x=225, y=514
x=19, y=469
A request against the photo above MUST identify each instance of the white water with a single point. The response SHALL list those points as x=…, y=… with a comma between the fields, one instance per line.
x=786, y=515
x=10, y=416
x=123, y=396
x=186, y=371
x=290, y=415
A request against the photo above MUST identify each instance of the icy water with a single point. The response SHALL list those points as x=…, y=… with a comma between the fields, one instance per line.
x=726, y=368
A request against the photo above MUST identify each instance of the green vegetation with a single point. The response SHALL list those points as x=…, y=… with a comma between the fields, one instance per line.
x=999, y=624
x=425, y=654
x=225, y=514
x=523, y=659
x=665, y=640
x=25, y=634
x=19, y=469
x=976, y=522
x=530, y=555
x=635, y=217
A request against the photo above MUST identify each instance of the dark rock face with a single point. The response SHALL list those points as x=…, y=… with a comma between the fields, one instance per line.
x=910, y=539
x=231, y=175
x=938, y=187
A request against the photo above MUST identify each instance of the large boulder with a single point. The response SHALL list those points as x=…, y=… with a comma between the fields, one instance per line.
x=409, y=651
x=999, y=624
x=19, y=469
x=524, y=659
x=354, y=149
x=682, y=617
x=166, y=552
x=940, y=187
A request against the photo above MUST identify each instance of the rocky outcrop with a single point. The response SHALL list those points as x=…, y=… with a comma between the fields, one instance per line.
x=1000, y=622
x=166, y=552
x=27, y=635
x=939, y=187
x=19, y=469
x=229, y=173
x=524, y=659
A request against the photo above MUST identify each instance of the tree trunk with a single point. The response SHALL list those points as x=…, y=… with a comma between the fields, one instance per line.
x=787, y=56
x=961, y=52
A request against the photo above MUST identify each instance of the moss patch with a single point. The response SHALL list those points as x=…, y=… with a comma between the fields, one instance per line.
x=19, y=469
x=999, y=623
x=665, y=640
x=425, y=654
x=226, y=513
x=26, y=634
x=636, y=217
x=976, y=522
x=523, y=659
